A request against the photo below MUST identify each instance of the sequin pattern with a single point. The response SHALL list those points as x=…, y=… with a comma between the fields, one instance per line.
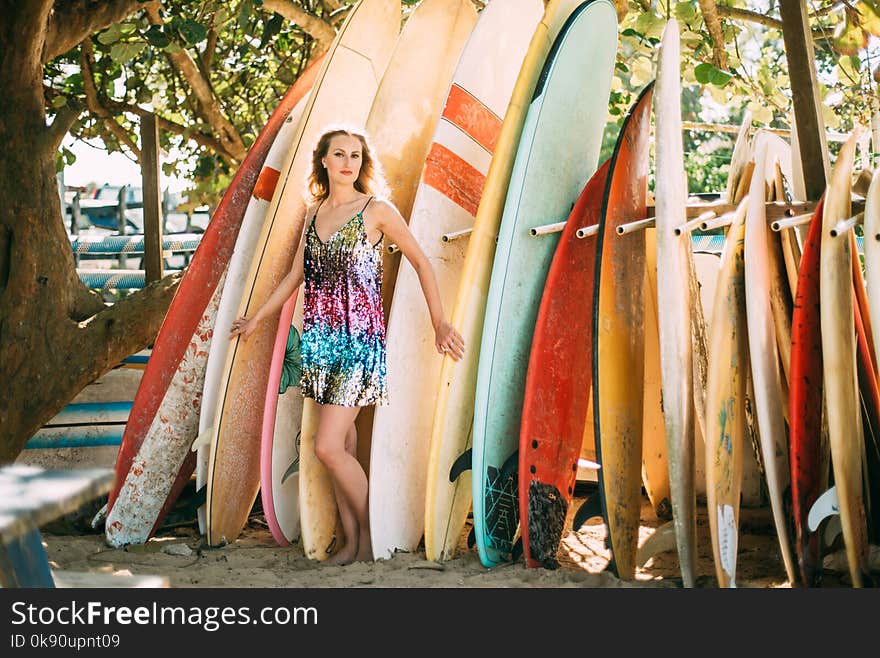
x=343, y=339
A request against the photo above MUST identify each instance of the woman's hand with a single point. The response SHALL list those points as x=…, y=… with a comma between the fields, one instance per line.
x=448, y=341
x=243, y=327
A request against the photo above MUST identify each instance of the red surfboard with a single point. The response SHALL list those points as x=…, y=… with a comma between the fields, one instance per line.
x=558, y=383
x=809, y=453
x=196, y=289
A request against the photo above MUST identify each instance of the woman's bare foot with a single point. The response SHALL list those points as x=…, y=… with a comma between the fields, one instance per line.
x=345, y=555
x=365, y=550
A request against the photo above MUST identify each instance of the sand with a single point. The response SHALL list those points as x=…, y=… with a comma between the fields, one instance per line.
x=255, y=560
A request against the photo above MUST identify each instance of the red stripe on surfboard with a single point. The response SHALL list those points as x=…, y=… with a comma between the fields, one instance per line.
x=473, y=117
x=266, y=183
x=454, y=178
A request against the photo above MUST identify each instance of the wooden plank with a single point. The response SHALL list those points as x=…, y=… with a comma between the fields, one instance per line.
x=31, y=497
x=152, y=198
x=72, y=579
x=805, y=96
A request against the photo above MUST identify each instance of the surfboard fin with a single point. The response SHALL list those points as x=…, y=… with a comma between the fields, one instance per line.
x=662, y=540
x=510, y=466
x=99, y=518
x=472, y=538
x=516, y=551
x=462, y=464
x=825, y=506
x=293, y=468
x=203, y=439
x=591, y=507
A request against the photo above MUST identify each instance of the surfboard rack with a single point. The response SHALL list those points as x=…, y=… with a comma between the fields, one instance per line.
x=845, y=225
x=547, y=229
x=587, y=231
x=791, y=222
x=455, y=235
x=690, y=225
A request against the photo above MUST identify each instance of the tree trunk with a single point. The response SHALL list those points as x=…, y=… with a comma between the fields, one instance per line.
x=55, y=335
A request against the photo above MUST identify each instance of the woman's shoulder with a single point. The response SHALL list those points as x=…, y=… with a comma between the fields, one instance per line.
x=381, y=207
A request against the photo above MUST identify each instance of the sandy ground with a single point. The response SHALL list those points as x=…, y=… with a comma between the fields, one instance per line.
x=255, y=560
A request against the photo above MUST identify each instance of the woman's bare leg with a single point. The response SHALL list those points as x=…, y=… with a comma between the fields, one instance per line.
x=349, y=479
x=346, y=512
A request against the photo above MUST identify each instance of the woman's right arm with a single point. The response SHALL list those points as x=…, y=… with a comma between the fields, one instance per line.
x=289, y=284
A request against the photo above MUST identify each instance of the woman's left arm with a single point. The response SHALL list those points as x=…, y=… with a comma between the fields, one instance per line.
x=391, y=223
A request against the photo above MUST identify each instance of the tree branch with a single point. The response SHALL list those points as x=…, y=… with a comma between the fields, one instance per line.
x=713, y=24
x=760, y=19
x=71, y=21
x=63, y=121
x=94, y=104
x=209, y=108
x=117, y=107
x=321, y=31
x=206, y=57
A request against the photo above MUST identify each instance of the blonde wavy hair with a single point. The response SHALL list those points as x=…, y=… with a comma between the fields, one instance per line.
x=370, y=180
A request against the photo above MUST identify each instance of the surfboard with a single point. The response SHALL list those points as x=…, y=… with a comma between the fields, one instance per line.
x=655, y=471
x=872, y=256
x=839, y=365
x=234, y=283
x=556, y=156
x=445, y=203
x=154, y=461
x=618, y=341
x=448, y=494
x=343, y=90
x=401, y=124
x=558, y=383
x=808, y=436
x=674, y=271
x=764, y=355
x=282, y=414
x=725, y=404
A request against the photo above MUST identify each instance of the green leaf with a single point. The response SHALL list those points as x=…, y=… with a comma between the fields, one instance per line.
x=127, y=29
x=719, y=78
x=685, y=11
x=59, y=101
x=192, y=31
x=708, y=74
x=650, y=24
x=111, y=35
x=123, y=52
x=156, y=37
x=703, y=73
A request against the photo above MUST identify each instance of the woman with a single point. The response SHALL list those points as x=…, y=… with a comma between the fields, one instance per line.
x=339, y=260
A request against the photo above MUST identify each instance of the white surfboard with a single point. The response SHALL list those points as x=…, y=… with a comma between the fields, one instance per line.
x=445, y=203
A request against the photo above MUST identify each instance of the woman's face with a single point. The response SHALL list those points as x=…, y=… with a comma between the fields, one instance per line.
x=343, y=159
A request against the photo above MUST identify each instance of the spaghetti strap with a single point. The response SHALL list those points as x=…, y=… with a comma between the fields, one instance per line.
x=365, y=206
x=315, y=214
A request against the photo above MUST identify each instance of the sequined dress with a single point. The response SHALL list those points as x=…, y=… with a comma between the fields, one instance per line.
x=343, y=338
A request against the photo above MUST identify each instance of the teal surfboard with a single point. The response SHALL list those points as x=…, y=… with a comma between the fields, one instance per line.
x=557, y=153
